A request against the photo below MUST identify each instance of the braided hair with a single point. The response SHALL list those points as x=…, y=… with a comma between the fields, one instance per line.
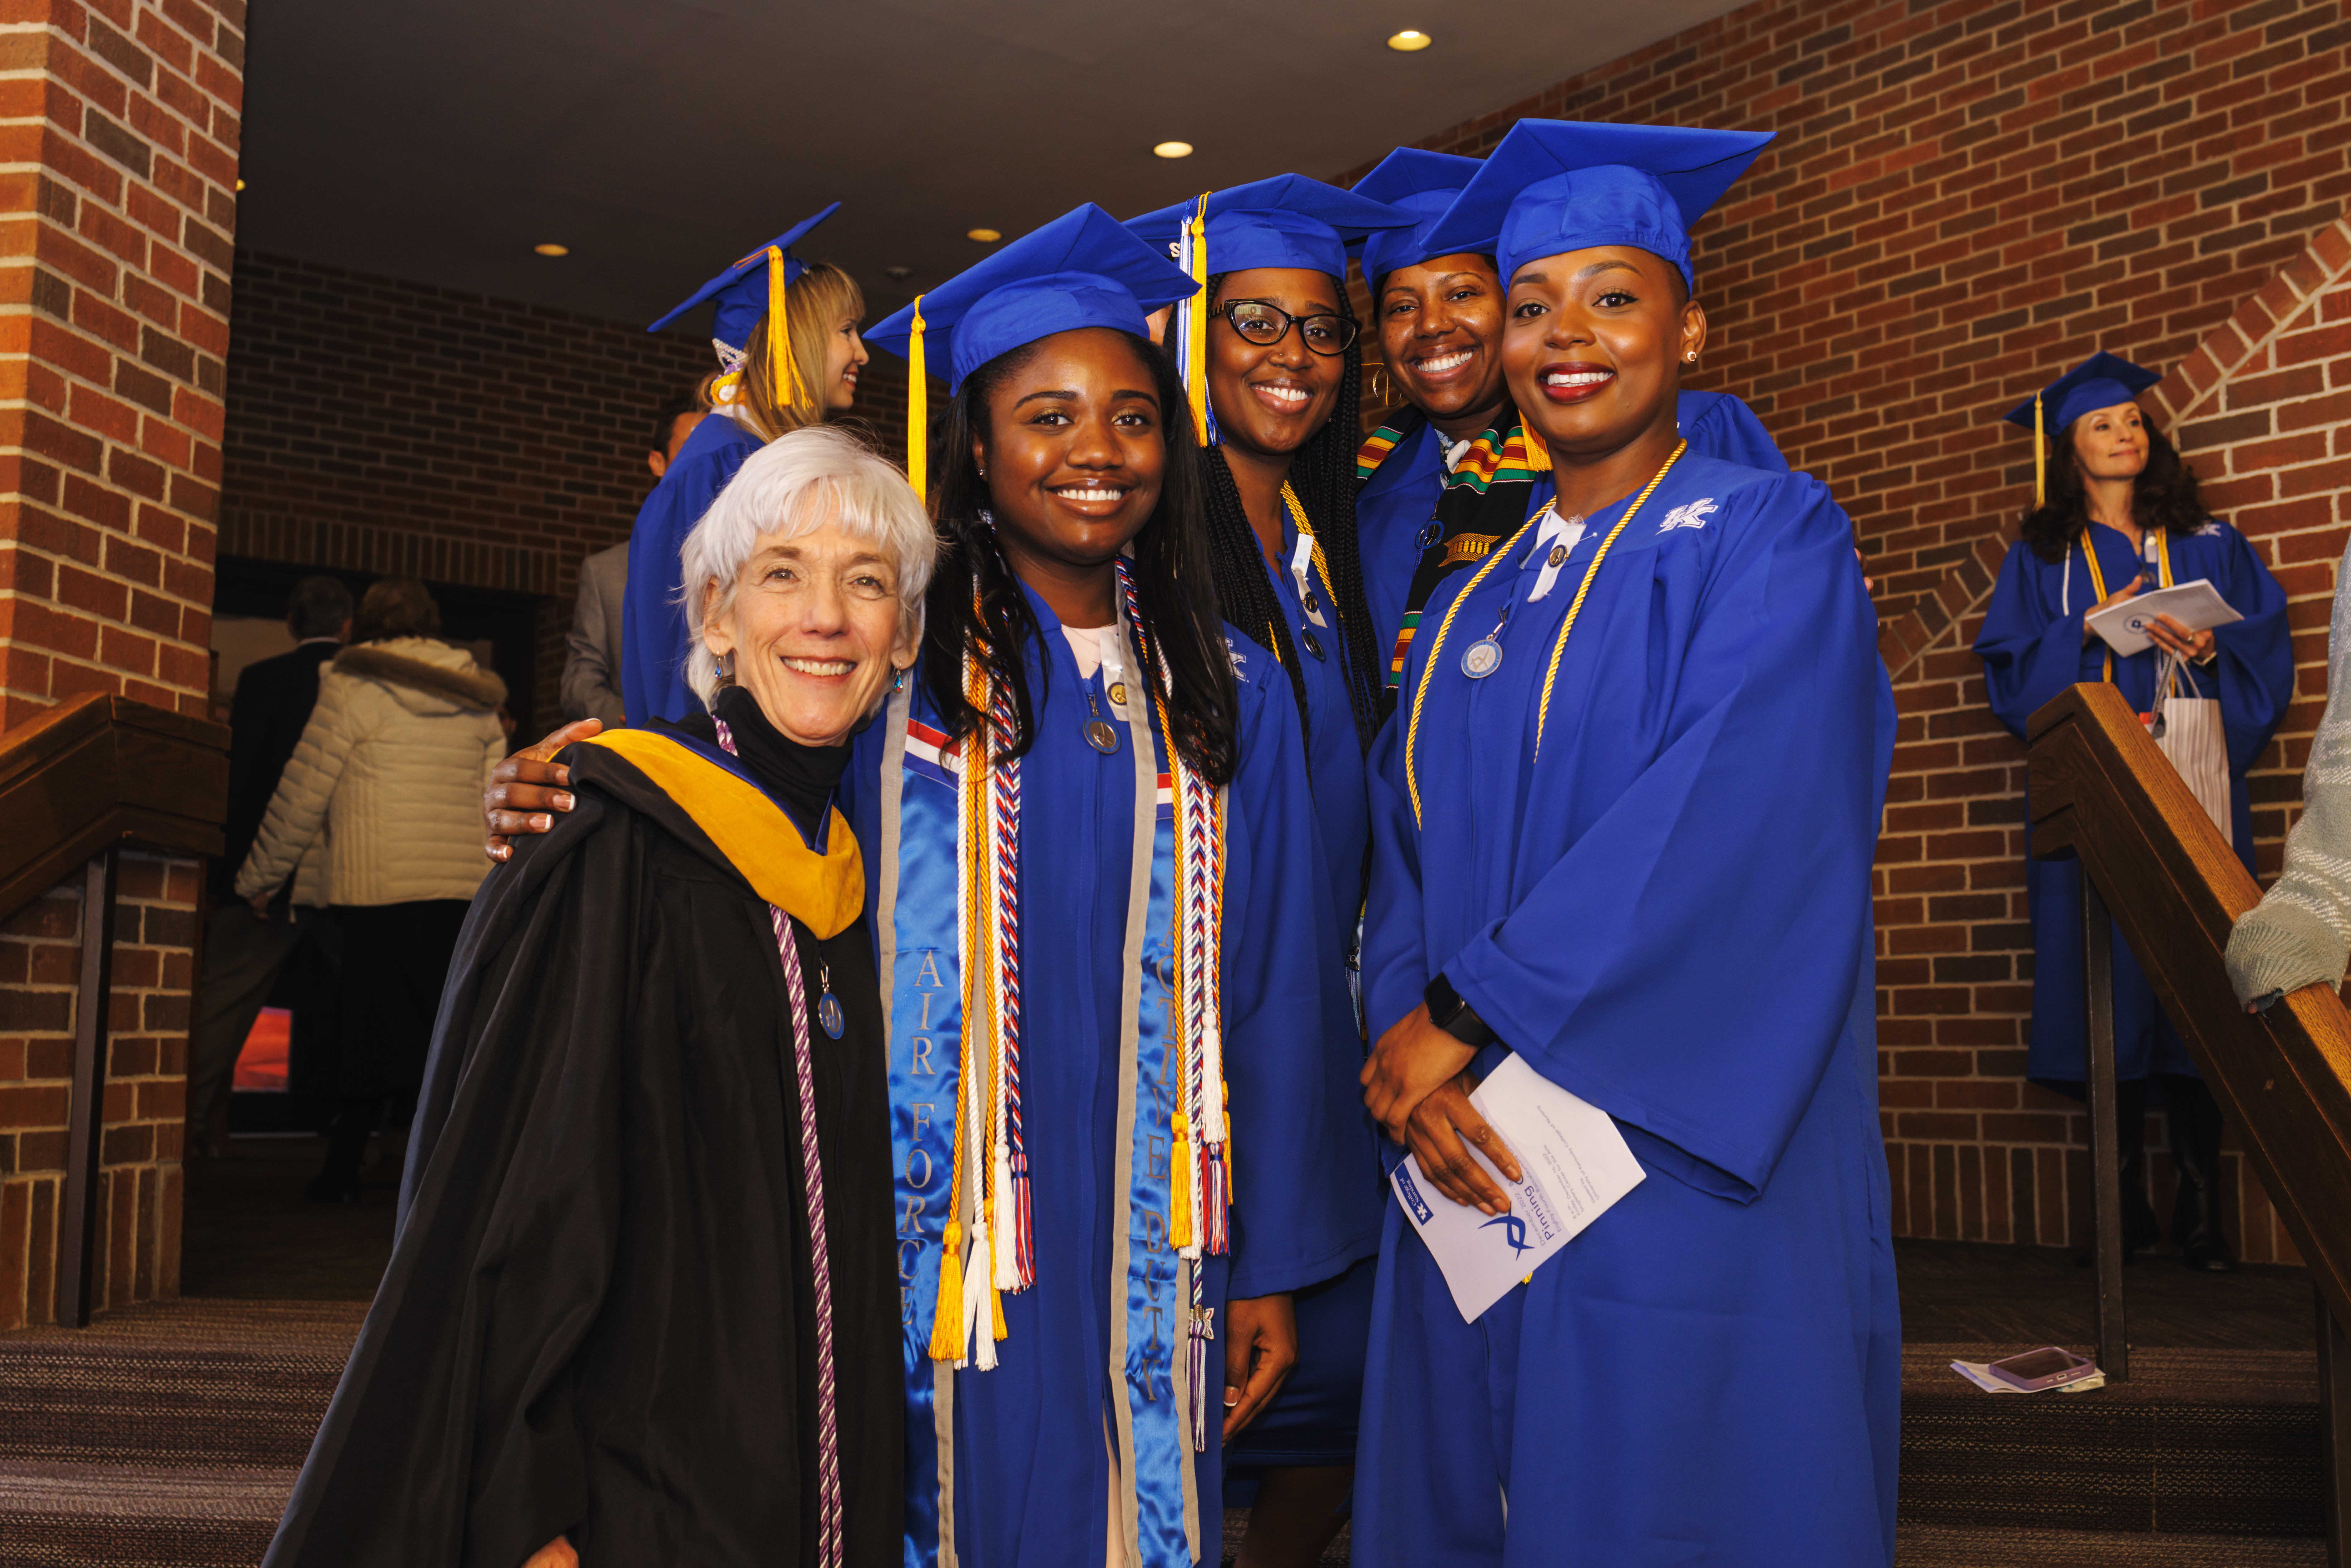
x=1322, y=472
x=983, y=609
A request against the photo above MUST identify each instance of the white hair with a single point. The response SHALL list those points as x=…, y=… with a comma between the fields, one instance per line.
x=797, y=483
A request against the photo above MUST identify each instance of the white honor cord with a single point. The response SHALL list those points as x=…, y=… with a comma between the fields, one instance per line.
x=1299, y=559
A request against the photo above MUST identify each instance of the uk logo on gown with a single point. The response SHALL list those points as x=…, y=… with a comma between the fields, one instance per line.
x=1693, y=515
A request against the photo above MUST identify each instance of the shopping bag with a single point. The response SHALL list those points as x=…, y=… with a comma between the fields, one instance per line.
x=2189, y=735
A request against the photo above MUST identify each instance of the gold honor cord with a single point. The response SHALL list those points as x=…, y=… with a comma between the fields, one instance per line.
x=1509, y=547
x=1558, y=649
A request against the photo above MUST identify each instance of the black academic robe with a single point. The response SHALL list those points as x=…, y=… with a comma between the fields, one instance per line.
x=599, y=1318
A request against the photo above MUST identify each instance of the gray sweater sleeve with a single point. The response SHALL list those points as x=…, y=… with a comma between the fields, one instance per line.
x=2300, y=934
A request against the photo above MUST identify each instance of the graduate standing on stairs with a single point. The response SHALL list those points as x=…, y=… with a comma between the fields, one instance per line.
x=1623, y=819
x=786, y=333
x=1442, y=478
x=2116, y=513
x=1098, y=909
x=1278, y=367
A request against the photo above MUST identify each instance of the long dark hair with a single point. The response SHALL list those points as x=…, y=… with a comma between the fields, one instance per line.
x=1175, y=585
x=1323, y=475
x=2163, y=497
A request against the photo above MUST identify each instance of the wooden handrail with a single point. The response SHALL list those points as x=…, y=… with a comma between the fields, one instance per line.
x=2103, y=790
x=99, y=771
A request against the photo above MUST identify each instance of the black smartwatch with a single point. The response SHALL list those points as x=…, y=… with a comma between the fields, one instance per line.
x=1456, y=1017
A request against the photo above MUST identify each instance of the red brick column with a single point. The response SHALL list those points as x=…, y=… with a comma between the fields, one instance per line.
x=119, y=135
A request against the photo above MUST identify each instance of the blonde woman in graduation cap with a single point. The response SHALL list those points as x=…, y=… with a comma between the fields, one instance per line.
x=785, y=334
x=2117, y=515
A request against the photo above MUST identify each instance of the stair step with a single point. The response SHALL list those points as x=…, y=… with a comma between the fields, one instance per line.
x=2197, y=1442
x=1938, y=1546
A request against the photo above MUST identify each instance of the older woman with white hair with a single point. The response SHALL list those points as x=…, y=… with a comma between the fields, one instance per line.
x=644, y=1306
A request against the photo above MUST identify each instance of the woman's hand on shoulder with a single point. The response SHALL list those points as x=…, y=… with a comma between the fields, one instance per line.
x=524, y=789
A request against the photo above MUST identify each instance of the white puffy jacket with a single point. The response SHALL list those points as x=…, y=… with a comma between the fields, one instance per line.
x=390, y=774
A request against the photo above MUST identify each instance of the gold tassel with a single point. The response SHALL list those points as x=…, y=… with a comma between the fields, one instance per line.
x=1197, y=327
x=995, y=1311
x=947, y=1324
x=2040, y=459
x=918, y=416
x=1179, y=1218
x=779, y=334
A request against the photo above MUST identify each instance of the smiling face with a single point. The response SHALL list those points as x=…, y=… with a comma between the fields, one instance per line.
x=1441, y=335
x=2111, y=442
x=1271, y=398
x=1592, y=345
x=1074, y=451
x=815, y=631
x=845, y=354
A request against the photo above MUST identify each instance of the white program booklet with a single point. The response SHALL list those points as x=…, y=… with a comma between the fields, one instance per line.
x=1575, y=1162
x=2195, y=605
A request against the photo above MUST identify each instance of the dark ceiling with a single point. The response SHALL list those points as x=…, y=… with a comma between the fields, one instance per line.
x=439, y=140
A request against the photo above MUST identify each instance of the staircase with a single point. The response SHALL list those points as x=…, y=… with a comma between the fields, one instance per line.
x=167, y=1434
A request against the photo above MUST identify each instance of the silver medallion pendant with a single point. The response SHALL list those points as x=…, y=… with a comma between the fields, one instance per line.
x=828, y=1014
x=1101, y=736
x=1481, y=658
x=1312, y=644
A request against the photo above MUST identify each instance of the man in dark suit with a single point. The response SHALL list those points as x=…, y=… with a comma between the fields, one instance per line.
x=591, y=671
x=244, y=952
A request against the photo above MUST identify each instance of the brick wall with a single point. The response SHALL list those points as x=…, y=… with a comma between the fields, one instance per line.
x=117, y=170
x=384, y=426
x=138, y=1252
x=1964, y=200
x=119, y=138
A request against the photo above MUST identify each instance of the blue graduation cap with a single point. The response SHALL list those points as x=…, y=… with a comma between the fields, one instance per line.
x=1556, y=186
x=1286, y=221
x=2101, y=380
x=1421, y=184
x=1083, y=269
x=747, y=288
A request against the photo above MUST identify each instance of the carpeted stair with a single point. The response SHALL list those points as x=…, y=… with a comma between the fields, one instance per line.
x=164, y=1434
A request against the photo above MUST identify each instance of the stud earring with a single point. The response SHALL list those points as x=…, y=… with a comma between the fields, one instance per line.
x=1689, y=359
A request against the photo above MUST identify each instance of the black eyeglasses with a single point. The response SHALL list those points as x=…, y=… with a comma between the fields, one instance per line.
x=1265, y=325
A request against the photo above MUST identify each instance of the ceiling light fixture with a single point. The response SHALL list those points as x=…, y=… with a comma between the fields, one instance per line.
x=1172, y=149
x=551, y=248
x=240, y=184
x=1409, y=41
x=985, y=237
x=898, y=274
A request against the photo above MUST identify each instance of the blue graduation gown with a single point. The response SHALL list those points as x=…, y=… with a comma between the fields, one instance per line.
x=2032, y=650
x=1032, y=1474
x=1312, y=1420
x=1667, y=913
x=1401, y=494
x=653, y=641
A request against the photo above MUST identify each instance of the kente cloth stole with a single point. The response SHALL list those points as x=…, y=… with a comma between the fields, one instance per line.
x=950, y=910
x=1479, y=504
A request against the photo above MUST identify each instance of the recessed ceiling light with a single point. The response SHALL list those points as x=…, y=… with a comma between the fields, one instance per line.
x=985, y=237
x=898, y=274
x=551, y=248
x=1172, y=149
x=1410, y=40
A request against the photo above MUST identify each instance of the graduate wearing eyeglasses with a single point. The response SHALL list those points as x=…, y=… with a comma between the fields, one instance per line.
x=1623, y=819
x=1091, y=854
x=1444, y=479
x=1278, y=375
